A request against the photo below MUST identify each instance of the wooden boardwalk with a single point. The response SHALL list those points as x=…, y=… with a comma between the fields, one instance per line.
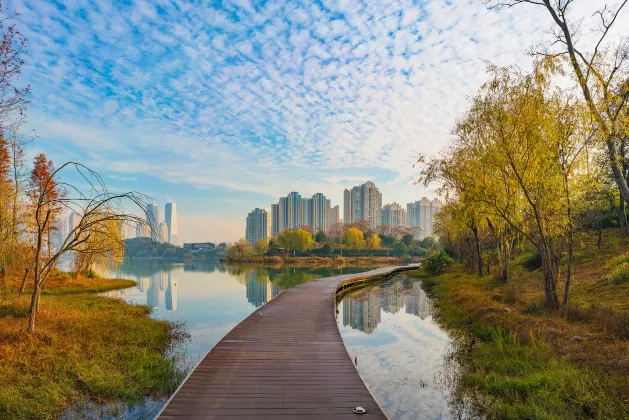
x=286, y=360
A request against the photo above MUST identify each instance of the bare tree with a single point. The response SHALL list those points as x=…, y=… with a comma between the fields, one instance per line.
x=102, y=216
x=602, y=72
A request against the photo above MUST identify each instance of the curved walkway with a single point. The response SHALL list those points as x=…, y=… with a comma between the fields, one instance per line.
x=286, y=360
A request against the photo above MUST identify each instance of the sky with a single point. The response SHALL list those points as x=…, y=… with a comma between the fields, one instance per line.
x=224, y=106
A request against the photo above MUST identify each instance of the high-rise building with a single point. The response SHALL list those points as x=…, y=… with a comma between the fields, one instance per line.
x=333, y=217
x=421, y=214
x=172, y=223
x=393, y=215
x=297, y=212
x=73, y=221
x=258, y=226
x=363, y=202
x=275, y=219
x=152, y=219
x=320, y=210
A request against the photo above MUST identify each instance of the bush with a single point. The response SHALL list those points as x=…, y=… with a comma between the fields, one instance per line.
x=620, y=274
x=533, y=261
x=399, y=249
x=437, y=263
x=406, y=259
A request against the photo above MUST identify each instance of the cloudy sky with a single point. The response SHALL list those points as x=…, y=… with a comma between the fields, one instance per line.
x=223, y=106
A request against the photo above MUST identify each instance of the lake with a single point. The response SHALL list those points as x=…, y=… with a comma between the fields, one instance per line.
x=399, y=348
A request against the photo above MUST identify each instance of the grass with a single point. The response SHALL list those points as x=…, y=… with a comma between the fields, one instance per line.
x=85, y=346
x=520, y=361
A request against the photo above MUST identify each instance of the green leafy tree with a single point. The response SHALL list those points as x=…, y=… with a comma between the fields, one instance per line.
x=399, y=249
x=407, y=239
x=437, y=263
x=428, y=242
x=261, y=247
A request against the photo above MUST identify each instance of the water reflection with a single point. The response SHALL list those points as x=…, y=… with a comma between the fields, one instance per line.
x=399, y=348
x=210, y=298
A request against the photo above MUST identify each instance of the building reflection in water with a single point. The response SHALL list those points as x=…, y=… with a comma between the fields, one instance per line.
x=260, y=290
x=363, y=311
x=160, y=281
x=171, y=293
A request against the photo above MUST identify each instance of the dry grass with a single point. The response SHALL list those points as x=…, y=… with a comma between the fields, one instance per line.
x=85, y=345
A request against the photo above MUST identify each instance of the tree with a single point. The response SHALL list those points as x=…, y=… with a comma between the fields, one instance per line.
x=428, y=242
x=261, y=247
x=437, y=263
x=373, y=242
x=508, y=163
x=399, y=249
x=407, y=239
x=295, y=240
x=320, y=237
x=601, y=73
x=353, y=238
x=241, y=248
x=101, y=214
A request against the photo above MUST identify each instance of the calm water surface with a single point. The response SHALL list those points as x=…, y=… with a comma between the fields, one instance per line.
x=209, y=298
x=399, y=348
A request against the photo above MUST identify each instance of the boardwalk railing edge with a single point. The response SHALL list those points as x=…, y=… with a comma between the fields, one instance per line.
x=346, y=285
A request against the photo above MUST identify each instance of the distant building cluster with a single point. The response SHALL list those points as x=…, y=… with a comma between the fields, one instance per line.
x=361, y=203
x=158, y=229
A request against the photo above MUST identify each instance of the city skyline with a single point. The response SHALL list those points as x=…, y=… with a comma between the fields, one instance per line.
x=217, y=110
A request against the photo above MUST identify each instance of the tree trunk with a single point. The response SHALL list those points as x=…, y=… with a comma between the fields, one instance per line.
x=478, y=253
x=622, y=217
x=23, y=285
x=566, y=289
x=32, y=314
x=600, y=238
x=550, y=282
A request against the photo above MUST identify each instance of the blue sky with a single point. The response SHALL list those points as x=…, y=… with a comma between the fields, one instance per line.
x=224, y=106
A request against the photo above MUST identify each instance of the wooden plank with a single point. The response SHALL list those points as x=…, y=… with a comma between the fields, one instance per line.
x=286, y=360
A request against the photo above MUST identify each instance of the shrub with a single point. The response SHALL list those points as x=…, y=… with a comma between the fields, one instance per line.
x=406, y=259
x=533, y=261
x=437, y=263
x=620, y=274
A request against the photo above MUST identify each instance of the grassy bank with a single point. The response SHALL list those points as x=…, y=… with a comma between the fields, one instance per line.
x=317, y=261
x=85, y=345
x=519, y=361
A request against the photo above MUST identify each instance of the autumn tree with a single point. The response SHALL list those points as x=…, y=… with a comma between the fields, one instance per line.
x=373, y=242
x=261, y=247
x=601, y=71
x=101, y=215
x=353, y=238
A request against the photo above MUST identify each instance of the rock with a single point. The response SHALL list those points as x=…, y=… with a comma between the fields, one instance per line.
x=576, y=339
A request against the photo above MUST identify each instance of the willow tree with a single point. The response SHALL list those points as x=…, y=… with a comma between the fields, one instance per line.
x=600, y=69
x=504, y=160
x=96, y=237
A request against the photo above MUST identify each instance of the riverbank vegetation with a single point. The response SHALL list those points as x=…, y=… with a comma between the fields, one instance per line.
x=521, y=360
x=85, y=346
x=346, y=240
x=317, y=261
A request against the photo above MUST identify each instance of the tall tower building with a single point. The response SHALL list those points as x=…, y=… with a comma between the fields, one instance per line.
x=73, y=221
x=294, y=210
x=305, y=217
x=333, y=217
x=421, y=214
x=172, y=223
x=275, y=219
x=152, y=219
x=347, y=206
x=320, y=212
x=393, y=215
x=258, y=226
x=363, y=202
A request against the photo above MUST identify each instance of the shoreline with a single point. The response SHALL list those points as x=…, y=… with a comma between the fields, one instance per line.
x=317, y=261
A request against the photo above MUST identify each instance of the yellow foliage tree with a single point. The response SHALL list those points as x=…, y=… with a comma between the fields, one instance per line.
x=353, y=238
x=373, y=242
